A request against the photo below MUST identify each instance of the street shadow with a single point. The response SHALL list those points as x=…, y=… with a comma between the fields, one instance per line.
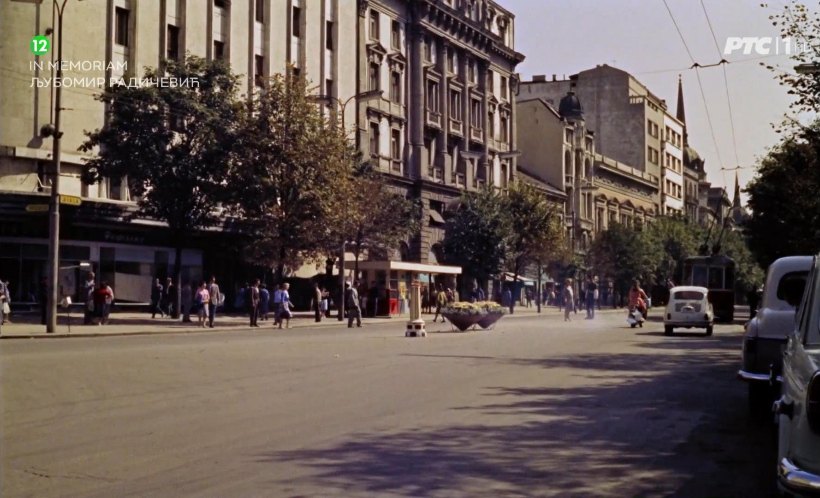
x=585, y=439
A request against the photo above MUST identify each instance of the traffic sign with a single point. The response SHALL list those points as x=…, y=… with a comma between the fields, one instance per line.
x=70, y=200
x=36, y=208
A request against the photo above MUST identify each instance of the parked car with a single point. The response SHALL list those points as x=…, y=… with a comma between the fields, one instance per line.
x=798, y=409
x=766, y=333
x=688, y=307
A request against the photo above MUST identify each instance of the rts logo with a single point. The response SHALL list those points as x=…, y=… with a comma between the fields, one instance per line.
x=764, y=45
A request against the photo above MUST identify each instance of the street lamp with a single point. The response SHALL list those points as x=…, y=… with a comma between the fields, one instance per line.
x=54, y=204
x=369, y=94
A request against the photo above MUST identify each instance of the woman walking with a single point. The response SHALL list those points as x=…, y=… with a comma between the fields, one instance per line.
x=201, y=300
x=569, y=299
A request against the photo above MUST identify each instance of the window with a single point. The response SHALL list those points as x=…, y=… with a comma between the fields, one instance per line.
x=296, y=22
x=490, y=81
x=455, y=105
x=395, y=87
x=260, y=10
x=374, y=139
x=427, y=50
x=172, y=43
x=476, y=114
x=259, y=70
x=219, y=50
x=121, y=26
x=395, y=144
x=504, y=131
x=329, y=35
x=491, y=124
x=432, y=96
x=471, y=73
x=374, y=76
x=329, y=87
x=653, y=155
x=221, y=4
x=374, y=25
x=504, y=87
x=395, y=34
x=652, y=128
x=450, y=60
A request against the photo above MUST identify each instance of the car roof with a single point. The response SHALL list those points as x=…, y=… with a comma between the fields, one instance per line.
x=689, y=288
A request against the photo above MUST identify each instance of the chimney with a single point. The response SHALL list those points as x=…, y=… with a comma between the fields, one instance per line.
x=539, y=78
x=554, y=77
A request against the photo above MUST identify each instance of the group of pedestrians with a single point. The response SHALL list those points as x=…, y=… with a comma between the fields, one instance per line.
x=163, y=298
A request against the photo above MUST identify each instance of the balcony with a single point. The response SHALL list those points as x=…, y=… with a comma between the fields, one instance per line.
x=395, y=165
x=436, y=174
x=480, y=183
x=569, y=180
x=456, y=127
x=476, y=133
x=433, y=118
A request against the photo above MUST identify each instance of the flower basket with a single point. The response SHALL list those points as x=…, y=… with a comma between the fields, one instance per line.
x=462, y=321
x=489, y=320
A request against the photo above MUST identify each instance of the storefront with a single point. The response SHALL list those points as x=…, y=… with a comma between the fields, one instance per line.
x=384, y=285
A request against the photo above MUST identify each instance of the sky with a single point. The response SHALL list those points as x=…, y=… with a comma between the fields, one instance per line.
x=564, y=37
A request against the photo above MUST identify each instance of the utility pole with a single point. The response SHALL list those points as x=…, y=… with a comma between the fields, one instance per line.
x=54, y=205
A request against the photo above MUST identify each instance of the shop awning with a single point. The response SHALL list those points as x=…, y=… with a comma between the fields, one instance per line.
x=509, y=277
x=404, y=266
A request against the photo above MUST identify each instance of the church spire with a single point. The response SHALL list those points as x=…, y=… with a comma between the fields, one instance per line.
x=681, y=114
x=736, y=200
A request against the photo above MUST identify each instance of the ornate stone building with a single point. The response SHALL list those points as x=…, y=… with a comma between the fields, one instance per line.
x=445, y=122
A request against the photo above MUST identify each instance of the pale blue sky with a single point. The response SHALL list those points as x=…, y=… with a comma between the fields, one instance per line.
x=564, y=37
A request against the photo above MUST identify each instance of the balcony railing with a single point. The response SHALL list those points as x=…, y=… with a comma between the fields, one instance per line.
x=461, y=180
x=433, y=118
x=480, y=183
x=456, y=126
x=476, y=133
x=436, y=174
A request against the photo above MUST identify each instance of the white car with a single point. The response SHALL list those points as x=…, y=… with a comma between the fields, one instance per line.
x=798, y=409
x=688, y=307
x=766, y=333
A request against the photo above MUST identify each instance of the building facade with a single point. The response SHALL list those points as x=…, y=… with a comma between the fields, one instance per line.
x=105, y=39
x=445, y=120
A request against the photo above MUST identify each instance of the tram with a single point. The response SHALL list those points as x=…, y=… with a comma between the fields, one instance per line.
x=716, y=273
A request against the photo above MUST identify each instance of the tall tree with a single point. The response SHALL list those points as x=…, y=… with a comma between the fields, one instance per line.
x=790, y=170
x=172, y=143
x=533, y=225
x=476, y=235
x=801, y=26
x=675, y=239
x=295, y=173
x=620, y=253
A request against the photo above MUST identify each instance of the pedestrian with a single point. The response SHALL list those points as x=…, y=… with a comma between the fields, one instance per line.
x=528, y=295
x=591, y=293
x=506, y=299
x=201, y=300
x=569, y=299
x=5, y=299
x=551, y=298
x=103, y=297
x=157, y=292
x=481, y=295
x=187, y=302
x=165, y=299
x=474, y=293
x=42, y=299
x=441, y=302
x=216, y=298
x=352, y=304
x=253, y=303
x=277, y=304
x=88, y=288
x=326, y=302
x=171, y=299
x=264, y=302
x=317, y=301
x=597, y=292
x=285, y=313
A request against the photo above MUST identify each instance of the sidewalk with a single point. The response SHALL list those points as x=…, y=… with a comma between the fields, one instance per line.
x=27, y=326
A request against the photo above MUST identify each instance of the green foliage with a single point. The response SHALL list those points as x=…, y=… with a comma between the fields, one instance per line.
x=295, y=173
x=783, y=199
x=172, y=144
x=748, y=274
x=621, y=253
x=535, y=232
x=477, y=234
x=667, y=242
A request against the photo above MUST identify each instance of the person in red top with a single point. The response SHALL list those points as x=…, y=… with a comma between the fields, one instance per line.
x=103, y=297
x=638, y=298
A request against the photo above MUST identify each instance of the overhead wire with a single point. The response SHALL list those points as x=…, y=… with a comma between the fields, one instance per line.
x=700, y=83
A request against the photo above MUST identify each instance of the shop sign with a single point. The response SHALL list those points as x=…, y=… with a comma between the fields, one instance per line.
x=36, y=208
x=70, y=200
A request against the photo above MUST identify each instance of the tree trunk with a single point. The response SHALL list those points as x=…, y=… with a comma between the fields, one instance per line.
x=540, y=290
x=514, y=285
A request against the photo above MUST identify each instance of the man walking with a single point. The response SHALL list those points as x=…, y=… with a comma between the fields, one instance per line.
x=317, y=301
x=216, y=298
x=591, y=294
x=88, y=289
x=253, y=302
x=352, y=303
x=156, y=299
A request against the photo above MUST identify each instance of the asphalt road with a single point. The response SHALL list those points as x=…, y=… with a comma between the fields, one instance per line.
x=535, y=407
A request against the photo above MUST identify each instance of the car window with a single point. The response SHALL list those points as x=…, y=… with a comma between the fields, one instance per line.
x=808, y=318
x=715, y=277
x=791, y=286
x=688, y=295
x=699, y=276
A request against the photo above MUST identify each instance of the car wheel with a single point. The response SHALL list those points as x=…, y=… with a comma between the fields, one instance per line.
x=709, y=330
x=667, y=330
